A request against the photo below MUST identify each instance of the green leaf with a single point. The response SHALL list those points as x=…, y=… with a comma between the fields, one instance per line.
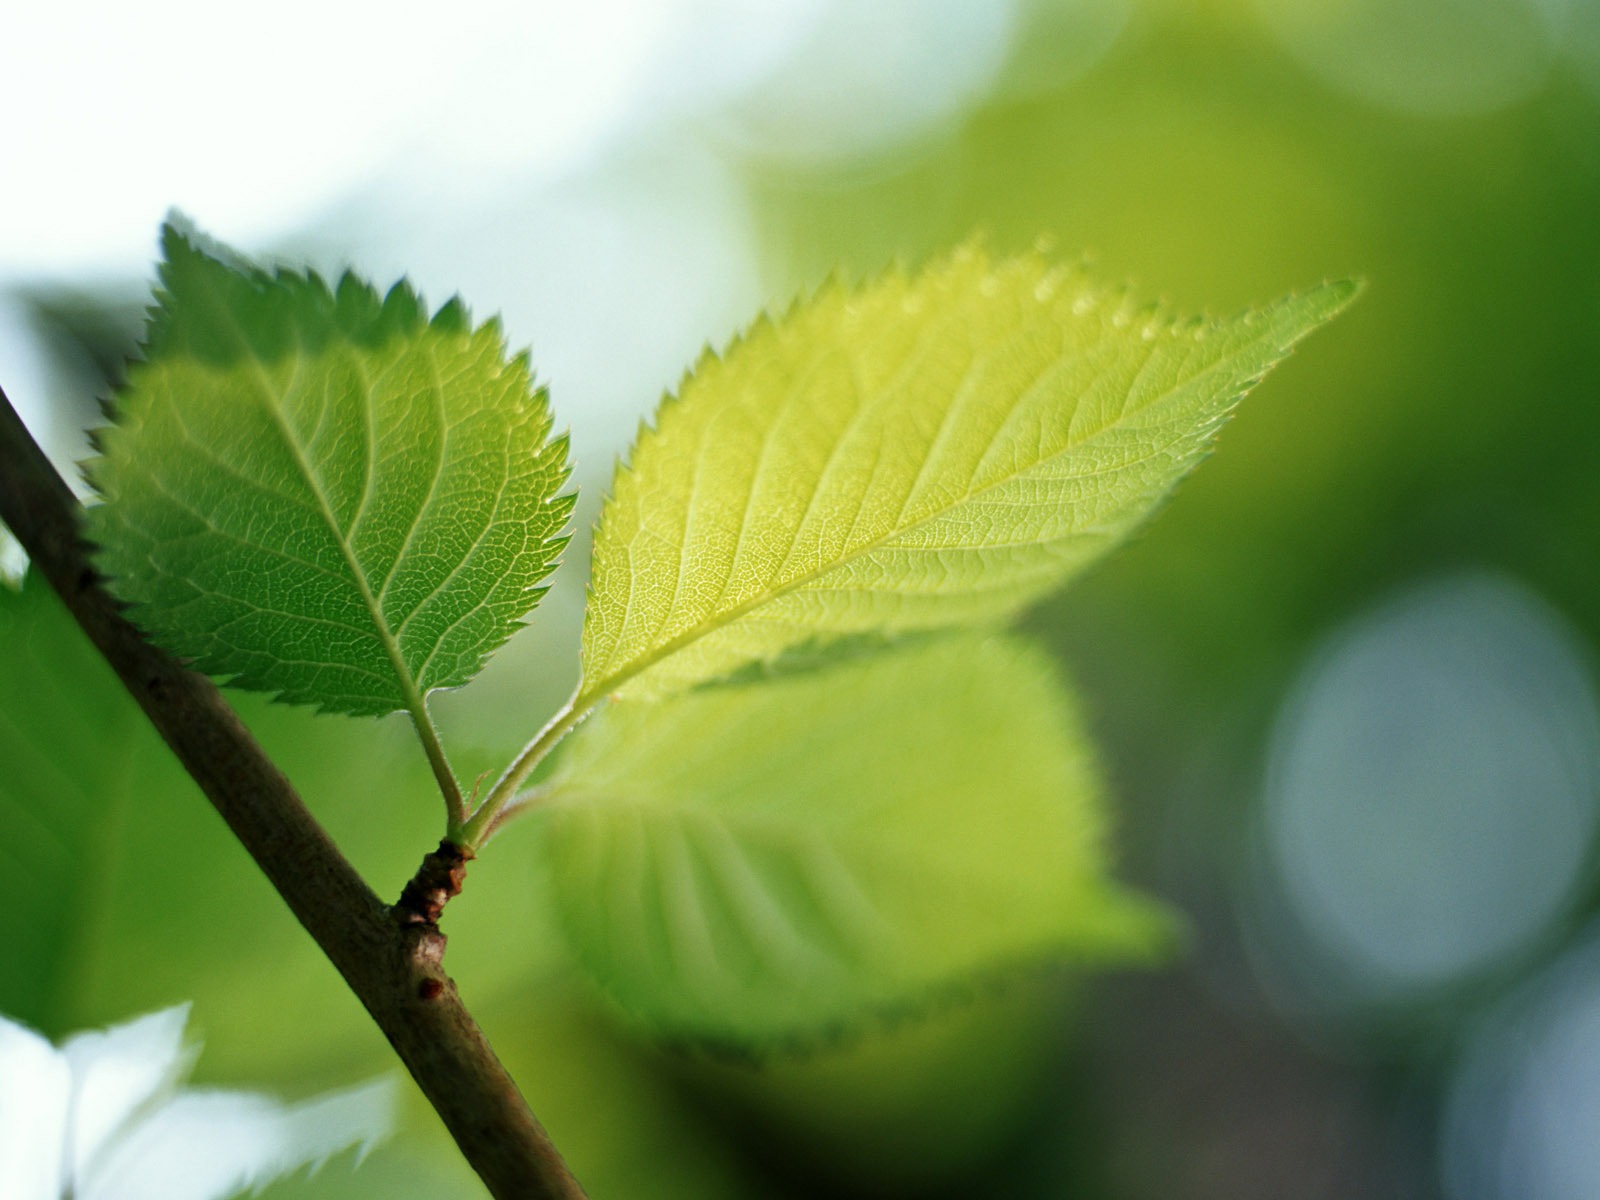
x=744, y=862
x=75, y=747
x=326, y=494
x=924, y=452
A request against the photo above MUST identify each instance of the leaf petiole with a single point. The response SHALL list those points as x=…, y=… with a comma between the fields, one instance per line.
x=428, y=734
x=503, y=799
x=523, y=802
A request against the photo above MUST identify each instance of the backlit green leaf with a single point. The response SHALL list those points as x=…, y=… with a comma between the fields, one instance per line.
x=747, y=861
x=324, y=493
x=926, y=451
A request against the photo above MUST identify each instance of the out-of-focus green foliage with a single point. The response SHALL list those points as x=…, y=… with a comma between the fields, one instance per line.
x=780, y=858
x=61, y=807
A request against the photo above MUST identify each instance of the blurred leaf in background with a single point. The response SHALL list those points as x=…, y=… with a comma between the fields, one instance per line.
x=794, y=856
x=106, y=1116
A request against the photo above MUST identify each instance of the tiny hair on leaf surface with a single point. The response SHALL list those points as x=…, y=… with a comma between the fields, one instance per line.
x=323, y=492
x=750, y=863
x=926, y=451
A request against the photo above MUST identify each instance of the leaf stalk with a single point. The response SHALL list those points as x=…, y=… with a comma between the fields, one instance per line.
x=501, y=801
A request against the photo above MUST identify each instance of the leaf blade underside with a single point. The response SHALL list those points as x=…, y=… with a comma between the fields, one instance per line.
x=323, y=493
x=921, y=453
x=748, y=863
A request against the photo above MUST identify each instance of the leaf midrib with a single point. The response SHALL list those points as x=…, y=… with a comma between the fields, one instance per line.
x=410, y=694
x=743, y=831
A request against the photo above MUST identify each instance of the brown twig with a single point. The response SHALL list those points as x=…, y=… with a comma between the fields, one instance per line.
x=437, y=881
x=394, y=966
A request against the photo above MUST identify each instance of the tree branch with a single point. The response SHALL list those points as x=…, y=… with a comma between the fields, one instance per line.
x=394, y=966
